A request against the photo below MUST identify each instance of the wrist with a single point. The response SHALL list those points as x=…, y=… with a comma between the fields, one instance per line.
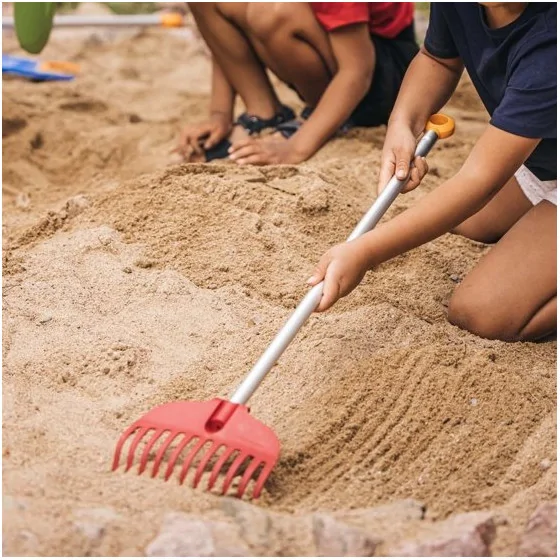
x=400, y=121
x=299, y=151
x=221, y=115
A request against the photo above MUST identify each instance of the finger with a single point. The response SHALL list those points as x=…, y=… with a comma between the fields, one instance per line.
x=387, y=171
x=422, y=165
x=214, y=137
x=331, y=291
x=319, y=271
x=403, y=158
x=244, y=152
x=241, y=144
x=257, y=159
x=194, y=145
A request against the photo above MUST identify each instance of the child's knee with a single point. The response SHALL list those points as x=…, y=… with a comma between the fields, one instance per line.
x=476, y=315
x=267, y=19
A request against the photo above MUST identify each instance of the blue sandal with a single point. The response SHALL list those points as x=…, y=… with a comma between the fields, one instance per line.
x=289, y=128
x=253, y=125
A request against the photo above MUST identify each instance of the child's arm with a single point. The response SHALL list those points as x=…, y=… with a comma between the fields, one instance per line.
x=354, y=55
x=428, y=84
x=492, y=162
x=353, y=51
x=219, y=122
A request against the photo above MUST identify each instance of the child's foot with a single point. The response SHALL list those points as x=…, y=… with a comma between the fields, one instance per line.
x=246, y=126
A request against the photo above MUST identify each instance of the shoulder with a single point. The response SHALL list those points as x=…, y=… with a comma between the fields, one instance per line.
x=533, y=65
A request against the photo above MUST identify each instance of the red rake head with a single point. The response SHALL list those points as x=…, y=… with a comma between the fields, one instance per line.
x=216, y=433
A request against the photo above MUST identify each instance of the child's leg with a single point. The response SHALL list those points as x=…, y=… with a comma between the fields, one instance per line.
x=498, y=216
x=290, y=41
x=511, y=293
x=235, y=55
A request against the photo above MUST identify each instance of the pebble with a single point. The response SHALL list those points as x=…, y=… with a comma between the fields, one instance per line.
x=45, y=318
x=333, y=538
x=127, y=270
x=76, y=205
x=545, y=464
x=183, y=535
x=540, y=535
x=93, y=522
x=454, y=277
x=466, y=534
x=474, y=402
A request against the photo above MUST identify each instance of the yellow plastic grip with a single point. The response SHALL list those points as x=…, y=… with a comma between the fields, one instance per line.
x=60, y=66
x=172, y=19
x=442, y=125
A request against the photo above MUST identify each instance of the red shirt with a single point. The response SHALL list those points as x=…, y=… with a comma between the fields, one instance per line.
x=386, y=19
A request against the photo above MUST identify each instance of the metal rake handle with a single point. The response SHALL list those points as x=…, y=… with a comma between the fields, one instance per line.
x=439, y=126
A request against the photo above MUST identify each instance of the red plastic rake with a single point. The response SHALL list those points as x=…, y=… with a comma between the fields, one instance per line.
x=220, y=436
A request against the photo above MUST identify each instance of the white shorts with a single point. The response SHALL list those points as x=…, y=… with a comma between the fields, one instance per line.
x=535, y=189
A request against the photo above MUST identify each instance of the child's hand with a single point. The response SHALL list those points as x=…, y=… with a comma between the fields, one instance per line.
x=398, y=150
x=269, y=150
x=342, y=268
x=211, y=131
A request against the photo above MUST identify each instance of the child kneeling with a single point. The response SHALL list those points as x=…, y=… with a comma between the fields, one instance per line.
x=505, y=193
x=346, y=60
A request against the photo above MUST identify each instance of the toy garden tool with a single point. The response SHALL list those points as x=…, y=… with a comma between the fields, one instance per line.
x=37, y=70
x=221, y=435
x=171, y=19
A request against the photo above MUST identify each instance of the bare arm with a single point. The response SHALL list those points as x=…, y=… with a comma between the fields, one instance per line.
x=428, y=84
x=223, y=94
x=355, y=60
x=492, y=162
x=196, y=137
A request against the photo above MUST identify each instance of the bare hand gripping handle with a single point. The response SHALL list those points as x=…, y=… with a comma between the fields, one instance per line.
x=439, y=126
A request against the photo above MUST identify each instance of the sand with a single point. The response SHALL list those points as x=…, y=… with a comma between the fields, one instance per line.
x=129, y=282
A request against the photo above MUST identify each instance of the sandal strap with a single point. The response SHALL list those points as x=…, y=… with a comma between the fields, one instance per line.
x=253, y=124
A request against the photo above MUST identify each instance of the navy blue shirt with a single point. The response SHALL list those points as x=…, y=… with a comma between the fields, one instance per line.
x=513, y=69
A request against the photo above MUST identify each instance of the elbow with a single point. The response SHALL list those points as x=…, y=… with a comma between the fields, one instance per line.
x=358, y=81
x=481, y=183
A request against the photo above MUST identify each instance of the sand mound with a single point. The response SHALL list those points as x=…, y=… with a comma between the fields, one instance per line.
x=127, y=285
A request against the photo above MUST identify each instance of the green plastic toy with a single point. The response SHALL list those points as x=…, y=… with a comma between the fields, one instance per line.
x=33, y=22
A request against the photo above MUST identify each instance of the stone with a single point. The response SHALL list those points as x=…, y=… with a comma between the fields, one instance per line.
x=545, y=464
x=76, y=205
x=333, y=538
x=12, y=503
x=268, y=533
x=184, y=535
x=539, y=538
x=93, y=522
x=466, y=534
x=45, y=318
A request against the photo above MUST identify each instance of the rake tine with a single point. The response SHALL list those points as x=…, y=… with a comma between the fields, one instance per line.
x=253, y=466
x=176, y=454
x=133, y=446
x=147, y=449
x=161, y=453
x=120, y=444
x=232, y=471
x=218, y=466
x=188, y=460
x=267, y=469
x=203, y=463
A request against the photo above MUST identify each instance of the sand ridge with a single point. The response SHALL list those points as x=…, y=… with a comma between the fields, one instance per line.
x=128, y=284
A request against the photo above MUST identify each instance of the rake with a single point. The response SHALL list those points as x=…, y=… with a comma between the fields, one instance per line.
x=221, y=436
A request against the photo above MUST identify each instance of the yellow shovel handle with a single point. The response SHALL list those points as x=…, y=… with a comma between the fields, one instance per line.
x=172, y=19
x=442, y=125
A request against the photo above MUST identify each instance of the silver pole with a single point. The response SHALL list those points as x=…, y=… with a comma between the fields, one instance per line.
x=311, y=300
x=71, y=20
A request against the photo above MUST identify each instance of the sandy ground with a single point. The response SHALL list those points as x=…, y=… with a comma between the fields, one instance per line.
x=128, y=283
